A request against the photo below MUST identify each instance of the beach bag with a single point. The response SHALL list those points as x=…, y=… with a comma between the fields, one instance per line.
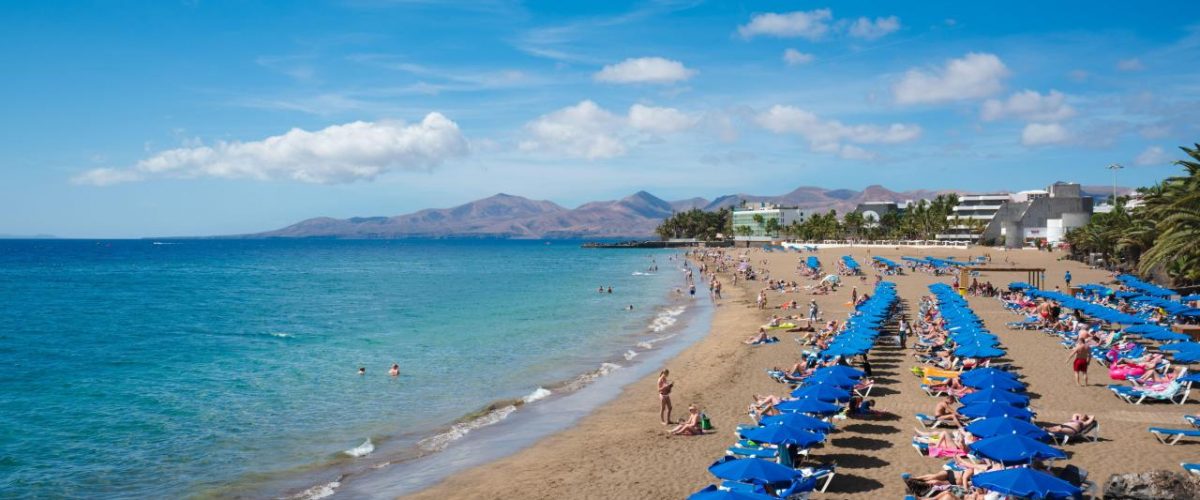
x=705, y=425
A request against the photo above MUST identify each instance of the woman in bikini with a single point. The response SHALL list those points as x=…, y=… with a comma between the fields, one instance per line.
x=664, y=397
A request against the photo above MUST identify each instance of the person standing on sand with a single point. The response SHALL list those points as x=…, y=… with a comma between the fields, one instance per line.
x=1080, y=357
x=1067, y=278
x=664, y=397
x=813, y=310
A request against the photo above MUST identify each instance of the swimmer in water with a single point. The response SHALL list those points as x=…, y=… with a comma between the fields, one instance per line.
x=630, y=307
x=362, y=370
x=395, y=371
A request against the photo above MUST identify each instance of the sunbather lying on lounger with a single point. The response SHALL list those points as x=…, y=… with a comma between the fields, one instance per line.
x=960, y=478
x=764, y=405
x=1077, y=424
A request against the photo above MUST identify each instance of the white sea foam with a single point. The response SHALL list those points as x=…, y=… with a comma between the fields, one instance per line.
x=587, y=378
x=666, y=318
x=538, y=394
x=645, y=345
x=361, y=450
x=282, y=335
x=639, y=273
x=318, y=491
x=458, y=431
x=630, y=354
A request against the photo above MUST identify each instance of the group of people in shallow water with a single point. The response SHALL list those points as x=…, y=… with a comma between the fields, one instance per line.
x=394, y=371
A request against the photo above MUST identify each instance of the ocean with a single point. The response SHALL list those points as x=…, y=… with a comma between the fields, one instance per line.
x=229, y=368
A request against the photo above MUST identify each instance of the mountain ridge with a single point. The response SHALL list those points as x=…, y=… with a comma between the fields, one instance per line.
x=635, y=216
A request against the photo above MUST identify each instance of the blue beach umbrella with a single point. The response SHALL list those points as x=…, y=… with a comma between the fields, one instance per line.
x=995, y=396
x=1001, y=426
x=1015, y=449
x=830, y=378
x=782, y=434
x=1144, y=328
x=798, y=421
x=823, y=392
x=1024, y=482
x=991, y=410
x=753, y=470
x=995, y=382
x=853, y=373
x=1165, y=335
x=978, y=351
x=1181, y=347
x=809, y=405
x=985, y=372
x=1186, y=357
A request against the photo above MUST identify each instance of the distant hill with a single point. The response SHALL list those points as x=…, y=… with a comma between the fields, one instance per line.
x=635, y=216
x=815, y=198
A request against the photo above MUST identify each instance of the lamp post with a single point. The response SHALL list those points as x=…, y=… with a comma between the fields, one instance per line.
x=1115, y=167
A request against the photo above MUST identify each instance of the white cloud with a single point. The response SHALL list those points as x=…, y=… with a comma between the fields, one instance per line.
x=1029, y=105
x=829, y=136
x=589, y=131
x=812, y=25
x=1134, y=64
x=660, y=120
x=871, y=30
x=1042, y=134
x=974, y=76
x=794, y=57
x=336, y=154
x=645, y=70
x=1153, y=155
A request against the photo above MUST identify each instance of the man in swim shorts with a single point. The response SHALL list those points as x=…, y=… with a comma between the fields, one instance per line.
x=1080, y=357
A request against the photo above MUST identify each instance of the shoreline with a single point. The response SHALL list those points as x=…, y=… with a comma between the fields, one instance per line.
x=597, y=431
x=492, y=429
x=525, y=428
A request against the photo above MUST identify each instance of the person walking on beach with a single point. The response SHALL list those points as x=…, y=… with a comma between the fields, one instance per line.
x=664, y=397
x=1067, y=278
x=1080, y=357
x=813, y=310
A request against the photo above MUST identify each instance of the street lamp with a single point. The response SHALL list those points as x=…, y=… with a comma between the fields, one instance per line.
x=1114, y=167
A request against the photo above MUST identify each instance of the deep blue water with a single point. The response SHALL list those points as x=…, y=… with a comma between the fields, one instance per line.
x=138, y=369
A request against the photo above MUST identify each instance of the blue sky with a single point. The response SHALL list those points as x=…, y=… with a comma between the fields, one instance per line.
x=215, y=117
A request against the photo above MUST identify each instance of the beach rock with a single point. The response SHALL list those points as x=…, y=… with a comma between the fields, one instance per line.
x=1153, y=485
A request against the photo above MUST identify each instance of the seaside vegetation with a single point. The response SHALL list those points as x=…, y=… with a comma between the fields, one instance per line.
x=922, y=220
x=1157, y=235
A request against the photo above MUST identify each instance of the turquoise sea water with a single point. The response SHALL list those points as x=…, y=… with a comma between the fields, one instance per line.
x=204, y=368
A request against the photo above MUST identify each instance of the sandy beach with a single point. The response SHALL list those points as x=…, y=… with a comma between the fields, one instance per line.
x=623, y=451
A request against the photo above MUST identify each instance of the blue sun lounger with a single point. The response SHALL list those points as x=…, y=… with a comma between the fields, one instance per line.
x=1193, y=468
x=1172, y=436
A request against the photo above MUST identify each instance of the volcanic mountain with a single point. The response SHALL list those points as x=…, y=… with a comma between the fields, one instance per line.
x=508, y=216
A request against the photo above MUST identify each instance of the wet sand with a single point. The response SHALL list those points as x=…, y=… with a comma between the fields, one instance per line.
x=623, y=451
